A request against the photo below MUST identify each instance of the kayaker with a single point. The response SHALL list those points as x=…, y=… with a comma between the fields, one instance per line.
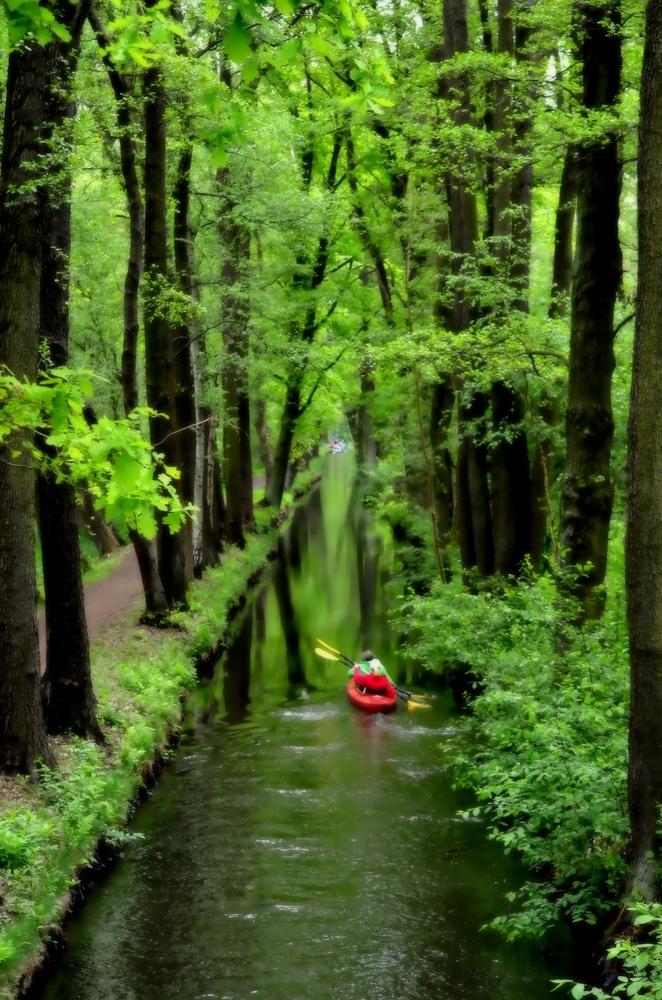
x=371, y=675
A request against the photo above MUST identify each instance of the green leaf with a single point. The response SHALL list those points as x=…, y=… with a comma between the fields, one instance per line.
x=126, y=472
x=250, y=71
x=61, y=32
x=237, y=44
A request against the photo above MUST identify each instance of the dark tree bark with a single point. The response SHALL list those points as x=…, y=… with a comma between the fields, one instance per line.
x=262, y=432
x=443, y=399
x=155, y=598
x=543, y=455
x=587, y=490
x=462, y=507
x=563, y=233
x=472, y=507
x=215, y=500
x=182, y=335
x=158, y=348
x=542, y=469
x=644, y=508
x=102, y=534
x=366, y=423
x=68, y=698
x=478, y=483
x=288, y=422
x=22, y=730
x=510, y=482
x=509, y=464
x=235, y=315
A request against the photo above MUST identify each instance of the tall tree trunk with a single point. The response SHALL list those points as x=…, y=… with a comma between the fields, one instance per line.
x=182, y=336
x=542, y=468
x=543, y=456
x=472, y=509
x=443, y=399
x=101, y=533
x=510, y=472
x=68, y=698
x=510, y=483
x=288, y=423
x=158, y=348
x=478, y=483
x=204, y=551
x=643, y=550
x=262, y=432
x=235, y=315
x=22, y=730
x=365, y=419
x=462, y=507
x=563, y=233
x=155, y=598
x=586, y=497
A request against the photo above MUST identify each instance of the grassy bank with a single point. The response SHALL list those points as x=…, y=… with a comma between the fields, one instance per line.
x=50, y=832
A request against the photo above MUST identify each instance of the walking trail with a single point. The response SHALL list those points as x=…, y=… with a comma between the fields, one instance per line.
x=111, y=598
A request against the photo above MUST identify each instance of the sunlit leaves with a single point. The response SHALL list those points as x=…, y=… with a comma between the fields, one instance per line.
x=110, y=457
x=237, y=43
x=28, y=17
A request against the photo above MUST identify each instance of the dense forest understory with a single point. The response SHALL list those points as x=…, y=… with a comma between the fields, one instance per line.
x=228, y=231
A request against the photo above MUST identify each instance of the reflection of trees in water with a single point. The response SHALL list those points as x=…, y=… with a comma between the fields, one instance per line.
x=360, y=529
x=260, y=613
x=204, y=706
x=314, y=513
x=281, y=578
x=296, y=538
x=237, y=670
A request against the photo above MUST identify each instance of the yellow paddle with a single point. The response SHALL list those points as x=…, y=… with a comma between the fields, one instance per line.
x=407, y=696
x=346, y=659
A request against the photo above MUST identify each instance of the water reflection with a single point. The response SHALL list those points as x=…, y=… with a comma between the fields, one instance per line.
x=296, y=674
x=236, y=666
x=297, y=849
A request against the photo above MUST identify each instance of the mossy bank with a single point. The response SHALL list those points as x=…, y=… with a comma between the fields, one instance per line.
x=55, y=835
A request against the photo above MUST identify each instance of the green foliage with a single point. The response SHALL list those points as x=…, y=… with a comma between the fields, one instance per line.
x=545, y=748
x=29, y=17
x=639, y=959
x=120, y=469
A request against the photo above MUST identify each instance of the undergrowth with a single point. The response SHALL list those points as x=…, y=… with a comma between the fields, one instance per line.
x=544, y=747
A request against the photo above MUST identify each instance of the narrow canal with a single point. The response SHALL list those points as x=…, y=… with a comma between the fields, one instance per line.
x=295, y=848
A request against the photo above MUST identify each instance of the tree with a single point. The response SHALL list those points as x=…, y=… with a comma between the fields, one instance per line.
x=644, y=510
x=155, y=598
x=22, y=731
x=158, y=346
x=586, y=489
x=68, y=696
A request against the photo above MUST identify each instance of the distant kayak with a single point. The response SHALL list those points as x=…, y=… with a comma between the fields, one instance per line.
x=370, y=702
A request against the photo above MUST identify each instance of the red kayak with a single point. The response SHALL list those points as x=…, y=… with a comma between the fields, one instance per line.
x=370, y=702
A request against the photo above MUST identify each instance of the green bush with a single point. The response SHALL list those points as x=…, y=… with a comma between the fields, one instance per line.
x=545, y=746
x=639, y=959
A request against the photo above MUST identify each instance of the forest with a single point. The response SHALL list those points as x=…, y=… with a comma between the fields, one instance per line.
x=228, y=231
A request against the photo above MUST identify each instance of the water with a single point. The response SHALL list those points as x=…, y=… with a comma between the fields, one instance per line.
x=296, y=848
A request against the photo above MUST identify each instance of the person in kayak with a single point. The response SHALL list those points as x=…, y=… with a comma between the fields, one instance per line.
x=370, y=675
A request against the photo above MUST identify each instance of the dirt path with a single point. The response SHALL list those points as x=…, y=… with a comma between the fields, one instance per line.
x=108, y=599
x=105, y=600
